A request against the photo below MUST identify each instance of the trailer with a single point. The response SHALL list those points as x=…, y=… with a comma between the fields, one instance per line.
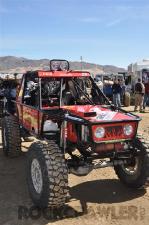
x=139, y=70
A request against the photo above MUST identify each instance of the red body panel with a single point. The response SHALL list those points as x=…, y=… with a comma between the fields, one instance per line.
x=71, y=133
x=102, y=114
x=113, y=127
x=57, y=74
x=30, y=119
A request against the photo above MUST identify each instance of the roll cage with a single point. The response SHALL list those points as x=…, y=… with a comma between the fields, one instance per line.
x=50, y=92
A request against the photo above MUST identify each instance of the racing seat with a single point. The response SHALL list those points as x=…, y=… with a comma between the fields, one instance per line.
x=50, y=96
x=70, y=94
x=72, y=89
x=67, y=98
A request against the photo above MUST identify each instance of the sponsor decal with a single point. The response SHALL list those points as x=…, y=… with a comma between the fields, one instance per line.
x=106, y=115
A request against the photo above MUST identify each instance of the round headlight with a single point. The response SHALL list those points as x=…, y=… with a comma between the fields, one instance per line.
x=64, y=65
x=99, y=132
x=55, y=65
x=128, y=129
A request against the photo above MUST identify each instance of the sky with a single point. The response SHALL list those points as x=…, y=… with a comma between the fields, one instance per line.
x=106, y=32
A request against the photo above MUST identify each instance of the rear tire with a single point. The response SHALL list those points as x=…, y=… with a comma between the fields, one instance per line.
x=47, y=175
x=11, y=137
x=137, y=174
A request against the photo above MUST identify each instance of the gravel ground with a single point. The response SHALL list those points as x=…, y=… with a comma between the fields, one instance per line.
x=98, y=198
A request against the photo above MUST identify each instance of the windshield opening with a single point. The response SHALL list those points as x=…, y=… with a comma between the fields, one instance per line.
x=82, y=91
x=70, y=91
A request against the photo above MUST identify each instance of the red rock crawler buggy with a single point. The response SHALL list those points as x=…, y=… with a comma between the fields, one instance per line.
x=78, y=130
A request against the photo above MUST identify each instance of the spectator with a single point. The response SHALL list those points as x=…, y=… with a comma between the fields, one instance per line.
x=123, y=90
x=8, y=97
x=146, y=96
x=10, y=94
x=139, y=95
x=116, y=89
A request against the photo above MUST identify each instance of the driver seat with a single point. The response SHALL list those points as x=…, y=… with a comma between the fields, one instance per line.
x=72, y=89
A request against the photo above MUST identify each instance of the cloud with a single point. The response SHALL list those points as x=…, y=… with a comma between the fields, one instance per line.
x=122, y=13
x=115, y=22
x=90, y=20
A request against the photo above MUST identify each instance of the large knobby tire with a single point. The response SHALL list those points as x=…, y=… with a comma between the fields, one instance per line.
x=137, y=174
x=11, y=137
x=47, y=175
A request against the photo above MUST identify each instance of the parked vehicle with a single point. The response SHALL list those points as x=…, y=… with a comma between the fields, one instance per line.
x=6, y=85
x=77, y=130
x=105, y=82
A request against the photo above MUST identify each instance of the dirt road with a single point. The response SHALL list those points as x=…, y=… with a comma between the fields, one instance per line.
x=98, y=198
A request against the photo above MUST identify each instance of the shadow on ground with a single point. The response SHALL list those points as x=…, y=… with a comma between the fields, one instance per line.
x=104, y=191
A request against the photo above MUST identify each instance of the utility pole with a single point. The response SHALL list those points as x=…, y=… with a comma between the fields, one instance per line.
x=81, y=59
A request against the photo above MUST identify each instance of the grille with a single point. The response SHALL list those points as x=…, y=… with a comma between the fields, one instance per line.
x=114, y=132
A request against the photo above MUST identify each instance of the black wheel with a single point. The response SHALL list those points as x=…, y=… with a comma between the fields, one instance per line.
x=136, y=174
x=47, y=175
x=11, y=138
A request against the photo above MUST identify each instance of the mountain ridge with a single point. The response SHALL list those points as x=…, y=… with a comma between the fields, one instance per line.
x=13, y=64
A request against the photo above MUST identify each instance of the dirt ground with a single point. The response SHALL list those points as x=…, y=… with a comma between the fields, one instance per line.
x=98, y=198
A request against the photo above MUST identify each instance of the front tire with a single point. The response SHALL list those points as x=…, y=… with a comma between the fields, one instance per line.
x=47, y=175
x=136, y=174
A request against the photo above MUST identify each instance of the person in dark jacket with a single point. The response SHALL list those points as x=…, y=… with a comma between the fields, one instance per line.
x=116, y=89
x=10, y=94
x=139, y=95
x=146, y=96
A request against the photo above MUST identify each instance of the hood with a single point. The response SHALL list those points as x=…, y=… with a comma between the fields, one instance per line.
x=98, y=113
